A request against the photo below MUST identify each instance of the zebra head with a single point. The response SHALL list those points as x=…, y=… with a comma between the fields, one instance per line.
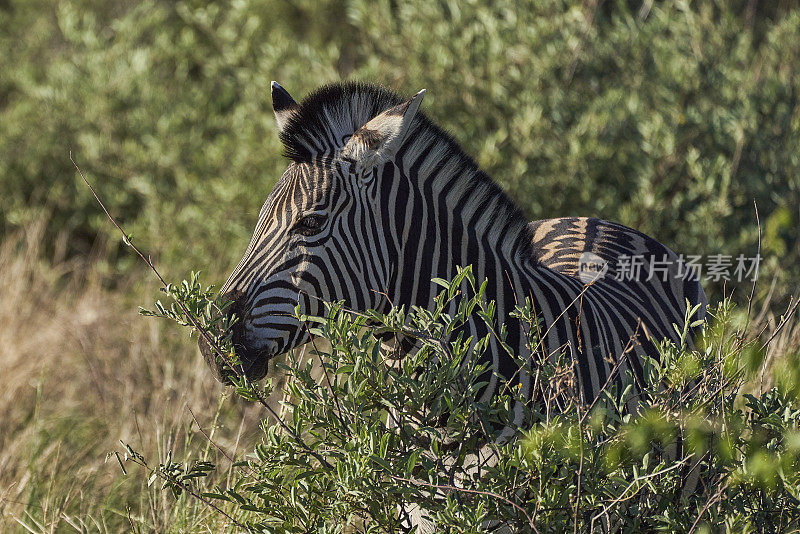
x=322, y=234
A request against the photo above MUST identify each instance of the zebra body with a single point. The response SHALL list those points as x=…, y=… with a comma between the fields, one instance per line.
x=377, y=201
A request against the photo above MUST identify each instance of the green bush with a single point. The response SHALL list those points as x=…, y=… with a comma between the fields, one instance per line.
x=367, y=438
x=669, y=117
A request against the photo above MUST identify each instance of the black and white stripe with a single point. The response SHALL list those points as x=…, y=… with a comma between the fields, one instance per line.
x=377, y=201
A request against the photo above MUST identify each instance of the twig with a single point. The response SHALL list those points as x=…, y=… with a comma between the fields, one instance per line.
x=579, y=475
x=708, y=504
x=755, y=278
x=160, y=474
x=540, y=344
x=287, y=389
x=340, y=413
x=783, y=322
x=637, y=479
x=211, y=441
x=627, y=349
x=448, y=487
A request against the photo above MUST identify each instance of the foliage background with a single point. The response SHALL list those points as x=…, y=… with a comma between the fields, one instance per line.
x=669, y=117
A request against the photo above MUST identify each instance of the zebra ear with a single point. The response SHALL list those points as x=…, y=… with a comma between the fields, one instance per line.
x=283, y=105
x=378, y=141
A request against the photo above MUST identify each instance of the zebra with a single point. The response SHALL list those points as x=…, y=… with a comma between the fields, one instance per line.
x=377, y=201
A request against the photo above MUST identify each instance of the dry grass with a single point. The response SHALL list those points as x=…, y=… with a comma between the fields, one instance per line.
x=81, y=370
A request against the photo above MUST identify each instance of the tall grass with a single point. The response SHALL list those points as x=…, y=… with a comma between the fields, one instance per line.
x=82, y=370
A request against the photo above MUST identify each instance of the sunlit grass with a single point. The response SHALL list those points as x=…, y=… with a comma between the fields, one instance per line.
x=82, y=370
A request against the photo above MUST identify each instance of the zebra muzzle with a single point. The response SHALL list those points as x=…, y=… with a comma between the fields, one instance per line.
x=251, y=364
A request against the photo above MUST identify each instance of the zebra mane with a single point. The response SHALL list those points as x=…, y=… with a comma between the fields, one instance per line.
x=334, y=112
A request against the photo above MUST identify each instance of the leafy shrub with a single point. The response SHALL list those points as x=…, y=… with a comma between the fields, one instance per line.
x=367, y=438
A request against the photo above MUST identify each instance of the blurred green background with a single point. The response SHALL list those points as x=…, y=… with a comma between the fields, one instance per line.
x=671, y=117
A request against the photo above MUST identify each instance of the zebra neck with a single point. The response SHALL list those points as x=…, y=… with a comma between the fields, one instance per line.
x=449, y=214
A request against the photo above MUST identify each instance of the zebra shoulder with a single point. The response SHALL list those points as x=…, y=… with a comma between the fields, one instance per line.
x=562, y=244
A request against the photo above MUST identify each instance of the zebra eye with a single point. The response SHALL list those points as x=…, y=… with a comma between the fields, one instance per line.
x=309, y=224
